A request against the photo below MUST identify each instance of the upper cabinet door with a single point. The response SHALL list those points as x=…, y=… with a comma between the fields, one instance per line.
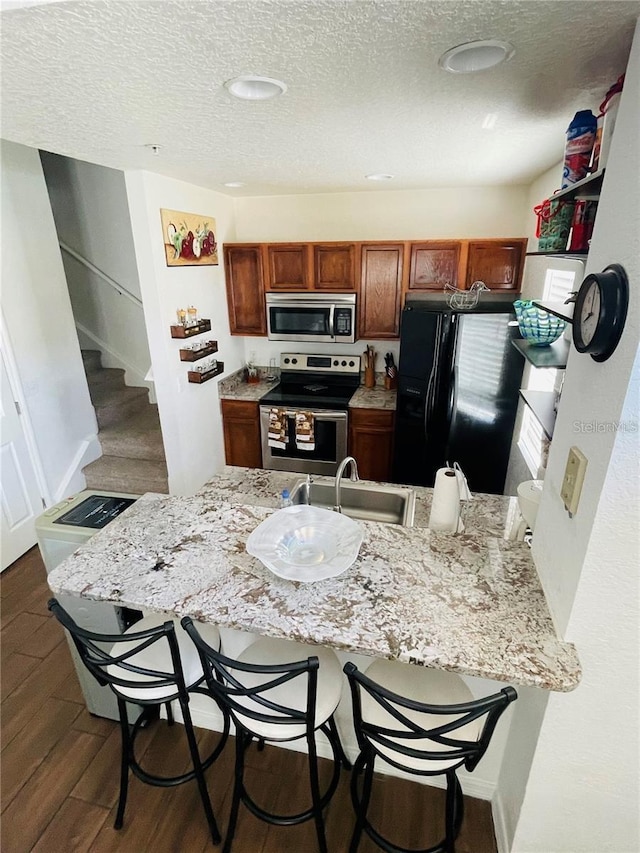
x=245, y=289
x=287, y=266
x=498, y=263
x=334, y=266
x=436, y=263
x=380, y=290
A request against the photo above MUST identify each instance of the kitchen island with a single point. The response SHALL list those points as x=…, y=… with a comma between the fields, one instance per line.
x=469, y=603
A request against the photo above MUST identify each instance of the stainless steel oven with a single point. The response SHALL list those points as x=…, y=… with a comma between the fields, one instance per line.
x=320, y=386
x=330, y=440
x=314, y=317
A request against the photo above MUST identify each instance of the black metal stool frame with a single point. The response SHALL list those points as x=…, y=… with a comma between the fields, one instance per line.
x=97, y=659
x=226, y=689
x=461, y=752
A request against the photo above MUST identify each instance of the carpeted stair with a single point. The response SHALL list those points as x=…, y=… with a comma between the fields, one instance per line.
x=128, y=430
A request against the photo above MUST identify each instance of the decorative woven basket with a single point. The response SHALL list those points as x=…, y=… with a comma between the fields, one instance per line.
x=537, y=326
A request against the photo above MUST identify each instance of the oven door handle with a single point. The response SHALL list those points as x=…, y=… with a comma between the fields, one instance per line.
x=332, y=311
x=320, y=416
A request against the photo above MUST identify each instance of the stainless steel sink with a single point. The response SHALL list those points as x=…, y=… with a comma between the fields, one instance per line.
x=389, y=504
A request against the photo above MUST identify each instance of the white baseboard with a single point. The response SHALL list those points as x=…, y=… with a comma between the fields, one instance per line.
x=500, y=824
x=132, y=375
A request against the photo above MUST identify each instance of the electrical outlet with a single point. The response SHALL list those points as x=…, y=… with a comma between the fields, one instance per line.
x=573, y=479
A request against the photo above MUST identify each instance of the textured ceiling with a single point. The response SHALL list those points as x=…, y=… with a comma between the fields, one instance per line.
x=100, y=79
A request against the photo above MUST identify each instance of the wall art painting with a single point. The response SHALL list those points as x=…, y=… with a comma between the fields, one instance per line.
x=189, y=239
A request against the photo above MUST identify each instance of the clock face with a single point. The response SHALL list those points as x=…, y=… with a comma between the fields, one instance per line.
x=590, y=313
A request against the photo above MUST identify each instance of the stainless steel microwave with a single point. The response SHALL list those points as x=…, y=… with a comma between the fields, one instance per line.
x=315, y=317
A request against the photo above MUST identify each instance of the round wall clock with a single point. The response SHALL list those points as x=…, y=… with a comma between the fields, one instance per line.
x=600, y=312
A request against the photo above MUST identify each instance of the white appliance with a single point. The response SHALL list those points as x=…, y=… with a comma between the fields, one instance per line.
x=313, y=317
x=60, y=530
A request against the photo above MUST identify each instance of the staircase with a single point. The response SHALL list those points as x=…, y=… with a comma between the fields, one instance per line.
x=128, y=430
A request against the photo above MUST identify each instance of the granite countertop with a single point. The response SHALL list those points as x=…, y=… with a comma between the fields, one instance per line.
x=469, y=603
x=235, y=387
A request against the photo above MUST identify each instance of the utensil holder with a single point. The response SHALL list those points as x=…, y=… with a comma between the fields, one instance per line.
x=369, y=377
x=390, y=382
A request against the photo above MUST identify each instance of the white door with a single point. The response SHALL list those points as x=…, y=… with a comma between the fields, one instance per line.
x=19, y=491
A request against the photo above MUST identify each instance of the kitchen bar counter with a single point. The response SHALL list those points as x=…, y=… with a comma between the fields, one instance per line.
x=469, y=603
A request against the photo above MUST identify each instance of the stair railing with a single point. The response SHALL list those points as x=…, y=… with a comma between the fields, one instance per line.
x=103, y=275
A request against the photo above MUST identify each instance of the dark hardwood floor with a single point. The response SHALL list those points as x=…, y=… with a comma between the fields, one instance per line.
x=60, y=766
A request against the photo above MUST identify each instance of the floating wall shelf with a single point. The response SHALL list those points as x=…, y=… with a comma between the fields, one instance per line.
x=197, y=354
x=541, y=404
x=198, y=378
x=189, y=331
x=553, y=355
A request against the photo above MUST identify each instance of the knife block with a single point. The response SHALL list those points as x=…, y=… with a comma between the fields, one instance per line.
x=369, y=377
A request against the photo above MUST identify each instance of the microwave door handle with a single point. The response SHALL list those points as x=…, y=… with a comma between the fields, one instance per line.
x=332, y=311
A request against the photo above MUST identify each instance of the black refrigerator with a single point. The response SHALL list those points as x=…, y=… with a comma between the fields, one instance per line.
x=459, y=378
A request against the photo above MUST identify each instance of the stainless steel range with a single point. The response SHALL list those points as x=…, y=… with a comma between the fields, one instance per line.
x=304, y=419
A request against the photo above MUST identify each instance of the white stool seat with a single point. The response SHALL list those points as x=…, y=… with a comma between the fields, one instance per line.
x=421, y=684
x=293, y=694
x=157, y=657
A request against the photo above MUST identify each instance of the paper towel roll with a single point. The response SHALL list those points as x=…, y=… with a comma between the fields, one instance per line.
x=445, y=503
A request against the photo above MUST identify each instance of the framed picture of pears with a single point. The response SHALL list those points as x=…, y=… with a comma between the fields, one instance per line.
x=189, y=239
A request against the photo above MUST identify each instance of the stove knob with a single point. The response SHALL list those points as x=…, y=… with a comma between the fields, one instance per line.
x=352, y=364
x=344, y=363
x=336, y=362
x=294, y=361
x=286, y=361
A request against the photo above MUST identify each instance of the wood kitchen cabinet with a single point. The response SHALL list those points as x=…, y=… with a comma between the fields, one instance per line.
x=437, y=262
x=287, y=266
x=245, y=289
x=334, y=266
x=241, y=426
x=498, y=263
x=381, y=266
x=371, y=442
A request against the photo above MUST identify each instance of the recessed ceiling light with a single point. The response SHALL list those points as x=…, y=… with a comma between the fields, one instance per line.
x=476, y=56
x=379, y=176
x=248, y=87
x=234, y=184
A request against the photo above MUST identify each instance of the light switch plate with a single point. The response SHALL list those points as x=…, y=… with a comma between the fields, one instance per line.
x=573, y=479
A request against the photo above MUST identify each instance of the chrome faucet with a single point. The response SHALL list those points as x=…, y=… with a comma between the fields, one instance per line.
x=339, y=473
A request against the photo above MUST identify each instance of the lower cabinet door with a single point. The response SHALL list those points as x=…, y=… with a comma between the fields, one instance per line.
x=371, y=442
x=241, y=425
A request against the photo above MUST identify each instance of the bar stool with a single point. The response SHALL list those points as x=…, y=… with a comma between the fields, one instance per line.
x=151, y=664
x=277, y=691
x=422, y=721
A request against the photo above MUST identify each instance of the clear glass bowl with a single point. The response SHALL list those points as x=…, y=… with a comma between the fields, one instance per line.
x=537, y=326
x=306, y=543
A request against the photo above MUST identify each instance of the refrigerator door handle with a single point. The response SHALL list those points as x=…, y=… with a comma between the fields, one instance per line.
x=431, y=390
x=451, y=407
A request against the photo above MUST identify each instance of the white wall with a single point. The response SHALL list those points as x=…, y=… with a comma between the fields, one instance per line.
x=400, y=215
x=37, y=311
x=91, y=213
x=189, y=413
x=582, y=791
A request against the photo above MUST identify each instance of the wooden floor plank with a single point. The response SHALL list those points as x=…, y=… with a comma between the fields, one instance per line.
x=44, y=639
x=30, y=812
x=14, y=671
x=73, y=829
x=23, y=574
x=28, y=750
x=19, y=631
x=23, y=703
x=86, y=722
